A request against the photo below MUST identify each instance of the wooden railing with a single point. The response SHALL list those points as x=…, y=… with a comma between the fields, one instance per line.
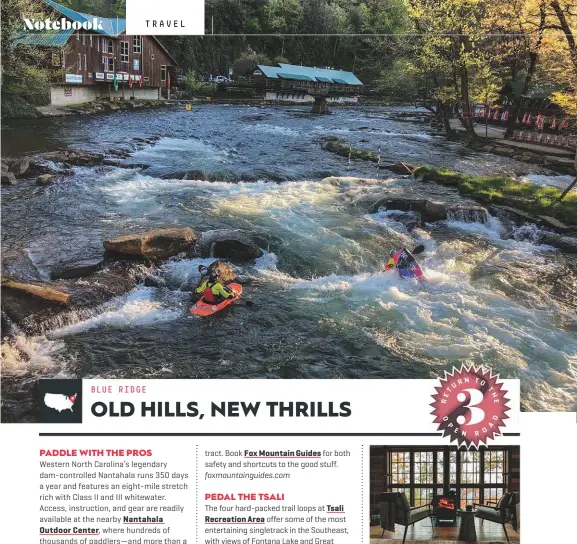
x=544, y=138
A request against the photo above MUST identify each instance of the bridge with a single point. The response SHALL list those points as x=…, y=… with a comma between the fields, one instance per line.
x=302, y=84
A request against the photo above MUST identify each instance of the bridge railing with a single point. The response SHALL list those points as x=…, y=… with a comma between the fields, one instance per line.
x=312, y=88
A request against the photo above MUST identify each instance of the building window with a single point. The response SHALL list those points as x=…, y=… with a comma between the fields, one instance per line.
x=108, y=64
x=123, y=51
x=79, y=62
x=424, y=467
x=56, y=58
x=476, y=476
x=63, y=59
x=85, y=64
x=83, y=39
x=163, y=73
x=401, y=467
x=137, y=44
x=90, y=40
x=107, y=46
x=470, y=467
x=98, y=45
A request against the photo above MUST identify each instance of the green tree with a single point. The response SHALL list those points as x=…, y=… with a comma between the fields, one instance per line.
x=283, y=16
x=24, y=76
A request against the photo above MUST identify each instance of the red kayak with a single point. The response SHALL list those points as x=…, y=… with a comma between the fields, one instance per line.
x=204, y=309
x=407, y=266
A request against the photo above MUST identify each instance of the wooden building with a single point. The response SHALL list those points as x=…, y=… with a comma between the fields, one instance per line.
x=293, y=83
x=102, y=63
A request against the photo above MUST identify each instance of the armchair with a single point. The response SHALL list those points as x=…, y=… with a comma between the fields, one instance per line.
x=497, y=514
x=395, y=509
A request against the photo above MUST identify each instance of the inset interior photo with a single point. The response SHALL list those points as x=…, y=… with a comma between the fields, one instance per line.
x=444, y=494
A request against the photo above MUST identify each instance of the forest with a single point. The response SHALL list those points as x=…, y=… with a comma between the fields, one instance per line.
x=445, y=53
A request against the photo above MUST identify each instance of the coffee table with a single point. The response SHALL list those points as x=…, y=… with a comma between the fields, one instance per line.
x=467, y=531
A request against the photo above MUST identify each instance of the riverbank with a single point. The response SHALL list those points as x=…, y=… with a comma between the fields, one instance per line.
x=104, y=106
x=107, y=106
x=540, y=200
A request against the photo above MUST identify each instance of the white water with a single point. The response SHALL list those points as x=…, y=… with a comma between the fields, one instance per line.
x=139, y=308
x=322, y=261
x=559, y=181
x=452, y=317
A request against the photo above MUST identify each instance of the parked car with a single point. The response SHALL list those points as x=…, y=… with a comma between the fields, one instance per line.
x=221, y=79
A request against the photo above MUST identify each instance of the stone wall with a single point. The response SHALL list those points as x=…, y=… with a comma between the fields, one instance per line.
x=69, y=95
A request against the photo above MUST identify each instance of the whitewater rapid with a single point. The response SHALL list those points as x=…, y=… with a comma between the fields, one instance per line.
x=323, y=306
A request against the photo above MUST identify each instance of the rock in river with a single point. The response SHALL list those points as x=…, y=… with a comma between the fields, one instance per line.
x=153, y=245
x=76, y=158
x=77, y=269
x=236, y=245
x=8, y=178
x=44, y=179
x=402, y=168
x=568, y=244
x=430, y=211
x=19, y=166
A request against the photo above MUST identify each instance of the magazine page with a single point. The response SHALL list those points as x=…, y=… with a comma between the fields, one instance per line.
x=288, y=271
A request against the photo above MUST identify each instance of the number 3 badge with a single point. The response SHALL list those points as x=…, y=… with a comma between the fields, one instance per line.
x=470, y=405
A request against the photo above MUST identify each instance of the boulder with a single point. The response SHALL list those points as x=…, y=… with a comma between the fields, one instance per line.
x=39, y=165
x=16, y=263
x=567, y=244
x=111, y=162
x=402, y=168
x=44, y=179
x=151, y=281
x=429, y=211
x=332, y=145
x=195, y=175
x=77, y=269
x=77, y=158
x=156, y=244
x=530, y=157
x=410, y=220
x=19, y=166
x=8, y=178
x=554, y=224
x=505, y=151
x=236, y=245
x=434, y=176
x=519, y=217
x=121, y=153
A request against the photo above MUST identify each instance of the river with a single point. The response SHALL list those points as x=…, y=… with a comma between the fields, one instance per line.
x=322, y=308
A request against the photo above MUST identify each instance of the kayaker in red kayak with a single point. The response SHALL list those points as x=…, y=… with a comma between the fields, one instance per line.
x=213, y=283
